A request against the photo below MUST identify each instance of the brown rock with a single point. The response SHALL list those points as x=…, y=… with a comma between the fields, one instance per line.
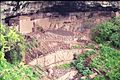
x=92, y=75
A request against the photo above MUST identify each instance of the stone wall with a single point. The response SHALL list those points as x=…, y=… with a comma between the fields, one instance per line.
x=25, y=24
x=57, y=58
x=44, y=22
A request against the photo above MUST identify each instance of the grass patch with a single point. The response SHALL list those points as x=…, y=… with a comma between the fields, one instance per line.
x=100, y=77
x=91, y=46
x=77, y=46
x=65, y=66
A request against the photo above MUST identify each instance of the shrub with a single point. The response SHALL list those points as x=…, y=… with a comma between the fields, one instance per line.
x=115, y=39
x=108, y=31
x=31, y=43
x=12, y=46
x=116, y=21
x=108, y=61
x=79, y=63
x=100, y=77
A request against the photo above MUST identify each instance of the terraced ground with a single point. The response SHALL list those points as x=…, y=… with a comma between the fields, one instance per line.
x=54, y=40
x=58, y=45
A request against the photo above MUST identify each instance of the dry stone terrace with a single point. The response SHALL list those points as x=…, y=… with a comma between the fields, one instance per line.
x=51, y=42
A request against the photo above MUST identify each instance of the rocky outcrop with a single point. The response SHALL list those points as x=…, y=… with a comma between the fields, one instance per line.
x=10, y=8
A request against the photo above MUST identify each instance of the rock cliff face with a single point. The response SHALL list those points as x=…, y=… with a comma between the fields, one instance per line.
x=14, y=8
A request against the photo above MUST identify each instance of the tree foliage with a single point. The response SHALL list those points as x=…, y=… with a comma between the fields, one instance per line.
x=108, y=32
x=11, y=54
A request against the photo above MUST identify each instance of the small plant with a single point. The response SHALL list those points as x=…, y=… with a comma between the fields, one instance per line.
x=79, y=63
x=31, y=43
x=65, y=66
x=100, y=77
x=76, y=47
x=115, y=39
x=87, y=71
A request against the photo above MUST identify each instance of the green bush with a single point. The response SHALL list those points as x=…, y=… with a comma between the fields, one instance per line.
x=11, y=53
x=116, y=21
x=109, y=32
x=108, y=61
x=79, y=63
x=100, y=77
x=12, y=44
x=115, y=39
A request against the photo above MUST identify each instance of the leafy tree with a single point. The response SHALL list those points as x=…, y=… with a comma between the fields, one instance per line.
x=11, y=54
x=108, y=32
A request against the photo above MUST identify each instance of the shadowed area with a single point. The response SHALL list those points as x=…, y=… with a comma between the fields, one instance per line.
x=61, y=32
x=72, y=6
